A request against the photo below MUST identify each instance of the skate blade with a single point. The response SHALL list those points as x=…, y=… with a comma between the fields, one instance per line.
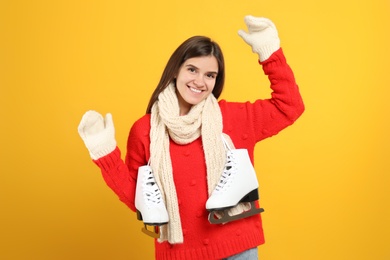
x=155, y=233
x=227, y=218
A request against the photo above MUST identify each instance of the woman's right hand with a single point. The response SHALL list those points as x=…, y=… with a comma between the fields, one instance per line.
x=98, y=134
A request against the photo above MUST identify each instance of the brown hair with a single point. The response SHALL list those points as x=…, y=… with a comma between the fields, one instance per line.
x=195, y=46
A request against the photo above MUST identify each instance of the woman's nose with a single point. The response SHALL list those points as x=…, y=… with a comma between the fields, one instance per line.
x=198, y=81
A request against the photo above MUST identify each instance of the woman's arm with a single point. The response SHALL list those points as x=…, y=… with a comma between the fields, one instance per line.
x=98, y=134
x=117, y=176
x=121, y=176
x=265, y=117
x=285, y=105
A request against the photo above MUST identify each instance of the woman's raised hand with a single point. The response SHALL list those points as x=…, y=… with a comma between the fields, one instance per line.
x=98, y=134
x=262, y=36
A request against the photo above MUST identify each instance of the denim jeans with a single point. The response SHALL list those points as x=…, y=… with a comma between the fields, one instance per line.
x=250, y=254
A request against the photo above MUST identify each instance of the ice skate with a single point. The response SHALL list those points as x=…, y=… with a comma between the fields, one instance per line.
x=238, y=183
x=149, y=203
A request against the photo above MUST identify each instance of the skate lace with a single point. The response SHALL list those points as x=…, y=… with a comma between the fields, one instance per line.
x=227, y=174
x=151, y=191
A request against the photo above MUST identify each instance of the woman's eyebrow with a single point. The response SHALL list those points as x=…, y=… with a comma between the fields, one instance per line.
x=193, y=66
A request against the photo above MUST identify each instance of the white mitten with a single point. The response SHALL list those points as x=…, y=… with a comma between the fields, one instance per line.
x=262, y=36
x=97, y=133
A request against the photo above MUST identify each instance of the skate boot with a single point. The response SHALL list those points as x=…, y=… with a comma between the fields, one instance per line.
x=149, y=203
x=238, y=183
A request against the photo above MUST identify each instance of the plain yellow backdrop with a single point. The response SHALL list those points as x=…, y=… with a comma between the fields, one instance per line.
x=324, y=181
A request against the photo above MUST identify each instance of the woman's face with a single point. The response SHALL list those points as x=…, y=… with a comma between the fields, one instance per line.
x=195, y=81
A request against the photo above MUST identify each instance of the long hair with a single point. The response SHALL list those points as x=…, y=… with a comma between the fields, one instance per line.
x=196, y=46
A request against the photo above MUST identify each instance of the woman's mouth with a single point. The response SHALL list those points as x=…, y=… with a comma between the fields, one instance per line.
x=195, y=90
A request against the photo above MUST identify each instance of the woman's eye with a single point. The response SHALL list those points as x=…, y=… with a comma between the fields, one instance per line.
x=211, y=76
x=191, y=69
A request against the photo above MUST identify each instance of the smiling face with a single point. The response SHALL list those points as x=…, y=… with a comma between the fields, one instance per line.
x=195, y=81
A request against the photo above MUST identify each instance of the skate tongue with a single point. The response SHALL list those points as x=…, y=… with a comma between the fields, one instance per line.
x=150, y=181
x=152, y=193
x=225, y=177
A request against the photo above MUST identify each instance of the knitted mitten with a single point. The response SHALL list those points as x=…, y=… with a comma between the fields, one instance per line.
x=97, y=133
x=262, y=36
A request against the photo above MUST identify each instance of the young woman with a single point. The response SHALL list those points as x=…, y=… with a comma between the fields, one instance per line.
x=180, y=137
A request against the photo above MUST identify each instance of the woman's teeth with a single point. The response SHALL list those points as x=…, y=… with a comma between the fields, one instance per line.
x=195, y=90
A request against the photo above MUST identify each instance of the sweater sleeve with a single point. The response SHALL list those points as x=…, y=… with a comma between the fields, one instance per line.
x=285, y=105
x=266, y=117
x=121, y=176
x=117, y=176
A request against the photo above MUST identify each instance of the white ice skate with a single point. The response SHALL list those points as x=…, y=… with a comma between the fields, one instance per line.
x=238, y=183
x=149, y=203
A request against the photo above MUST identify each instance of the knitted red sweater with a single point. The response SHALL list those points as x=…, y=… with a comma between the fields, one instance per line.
x=246, y=124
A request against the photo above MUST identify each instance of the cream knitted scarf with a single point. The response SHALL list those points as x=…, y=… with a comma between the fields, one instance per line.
x=205, y=120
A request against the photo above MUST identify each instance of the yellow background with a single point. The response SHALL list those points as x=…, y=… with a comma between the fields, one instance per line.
x=324, y=181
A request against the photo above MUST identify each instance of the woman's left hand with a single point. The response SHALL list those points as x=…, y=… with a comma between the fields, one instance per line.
x=262, y=36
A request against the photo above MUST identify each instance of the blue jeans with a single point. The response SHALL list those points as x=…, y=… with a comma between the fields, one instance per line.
x=250, y=254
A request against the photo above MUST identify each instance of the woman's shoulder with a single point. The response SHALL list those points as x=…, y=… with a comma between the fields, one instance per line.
x=141, y=126
x=142, y=121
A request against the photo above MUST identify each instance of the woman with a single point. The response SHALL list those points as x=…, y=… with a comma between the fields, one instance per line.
x=180, y=136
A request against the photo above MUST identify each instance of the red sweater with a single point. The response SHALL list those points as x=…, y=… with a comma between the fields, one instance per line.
x=246, y=124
